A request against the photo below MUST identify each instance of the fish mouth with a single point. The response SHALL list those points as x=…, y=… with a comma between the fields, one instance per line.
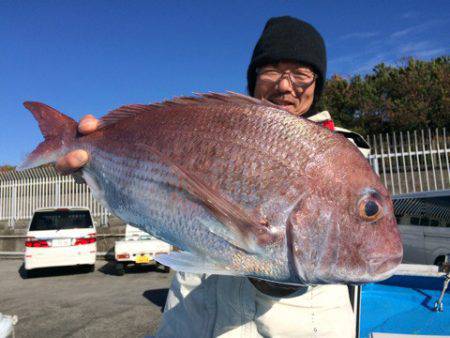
x=383, y=265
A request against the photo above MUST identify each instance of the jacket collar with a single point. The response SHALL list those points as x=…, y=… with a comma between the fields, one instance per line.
x=320, y=117
x=324, y=119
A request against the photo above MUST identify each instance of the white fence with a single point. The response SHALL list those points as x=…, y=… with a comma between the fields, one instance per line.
x=412, y=162
x=23, y=192
x=406, y=162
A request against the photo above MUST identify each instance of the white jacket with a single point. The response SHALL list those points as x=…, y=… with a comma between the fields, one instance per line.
x=226, y=306
x=203, y=306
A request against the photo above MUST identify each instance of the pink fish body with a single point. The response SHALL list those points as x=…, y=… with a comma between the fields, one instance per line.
x=241, y=187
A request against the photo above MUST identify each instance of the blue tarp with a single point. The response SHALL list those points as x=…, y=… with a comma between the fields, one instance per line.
x=404, y=304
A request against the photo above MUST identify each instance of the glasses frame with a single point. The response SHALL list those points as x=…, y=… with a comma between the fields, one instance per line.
x=293, y=83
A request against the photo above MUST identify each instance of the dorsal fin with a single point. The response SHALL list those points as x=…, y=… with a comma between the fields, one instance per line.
x=201, y=99
x=122, y=113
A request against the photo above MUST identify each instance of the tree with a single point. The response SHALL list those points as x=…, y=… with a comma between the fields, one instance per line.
x=412, y=95
x=6, y=167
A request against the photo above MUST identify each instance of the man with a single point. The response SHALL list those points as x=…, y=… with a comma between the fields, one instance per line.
x=288, y=68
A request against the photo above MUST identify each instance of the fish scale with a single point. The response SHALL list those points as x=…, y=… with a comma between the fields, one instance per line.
x=240, y=186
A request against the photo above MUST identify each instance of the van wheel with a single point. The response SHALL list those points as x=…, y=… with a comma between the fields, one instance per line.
x=120, y=269
x=91, y=268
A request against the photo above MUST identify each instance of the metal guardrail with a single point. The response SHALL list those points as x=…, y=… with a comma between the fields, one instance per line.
x=412, y=162
x=23, y=192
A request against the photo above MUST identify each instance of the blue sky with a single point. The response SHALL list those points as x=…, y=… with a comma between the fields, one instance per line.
x=93, y=56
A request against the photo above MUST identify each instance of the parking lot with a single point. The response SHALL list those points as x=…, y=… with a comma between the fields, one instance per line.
x=70, y=302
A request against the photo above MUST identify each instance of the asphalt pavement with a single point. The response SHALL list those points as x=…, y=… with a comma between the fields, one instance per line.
x=71, y=302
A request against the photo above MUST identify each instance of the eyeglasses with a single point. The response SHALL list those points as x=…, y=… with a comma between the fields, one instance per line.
x=299, y=78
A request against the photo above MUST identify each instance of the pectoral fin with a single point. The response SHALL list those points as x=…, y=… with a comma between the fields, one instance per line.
x=187, y=262
x=250, y=233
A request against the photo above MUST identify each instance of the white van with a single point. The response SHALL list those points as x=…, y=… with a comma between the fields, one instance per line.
x=60, y=237
x=426, y=239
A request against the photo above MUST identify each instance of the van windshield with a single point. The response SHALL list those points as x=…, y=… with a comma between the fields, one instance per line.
x=61, y=219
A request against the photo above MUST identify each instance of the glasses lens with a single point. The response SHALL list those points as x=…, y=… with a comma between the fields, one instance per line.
x=299, y=77
x=302, y=77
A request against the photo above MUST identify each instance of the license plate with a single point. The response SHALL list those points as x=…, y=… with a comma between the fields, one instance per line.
x=142, y=259
x=61, y=242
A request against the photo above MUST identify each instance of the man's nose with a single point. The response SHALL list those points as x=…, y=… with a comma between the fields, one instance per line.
x=285, y=84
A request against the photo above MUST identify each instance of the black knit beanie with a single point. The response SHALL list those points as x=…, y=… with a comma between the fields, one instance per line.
x=288, y=38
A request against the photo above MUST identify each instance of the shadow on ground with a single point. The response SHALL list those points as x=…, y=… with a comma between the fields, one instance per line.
x=157, y=297
x=52, y=272
x=110, y=269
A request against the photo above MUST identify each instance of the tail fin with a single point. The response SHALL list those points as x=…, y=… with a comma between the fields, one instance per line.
x=58, y=129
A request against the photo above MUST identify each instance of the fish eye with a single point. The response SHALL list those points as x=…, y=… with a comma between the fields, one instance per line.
x=370, y=210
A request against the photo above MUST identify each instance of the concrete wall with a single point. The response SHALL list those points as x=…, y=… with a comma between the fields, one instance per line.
x=12, y=240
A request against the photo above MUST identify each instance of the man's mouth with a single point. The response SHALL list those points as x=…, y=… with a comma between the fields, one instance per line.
x=284, y=105
x=279, y=101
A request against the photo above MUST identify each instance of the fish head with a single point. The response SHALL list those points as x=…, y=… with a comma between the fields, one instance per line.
x=344, y=229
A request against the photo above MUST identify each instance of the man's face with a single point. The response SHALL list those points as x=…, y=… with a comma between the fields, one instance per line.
x=288, y=85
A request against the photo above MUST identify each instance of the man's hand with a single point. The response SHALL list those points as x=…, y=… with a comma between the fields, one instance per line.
x=76, y=159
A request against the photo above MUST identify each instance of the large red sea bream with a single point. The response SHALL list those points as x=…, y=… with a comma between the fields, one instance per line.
x=241, y=187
